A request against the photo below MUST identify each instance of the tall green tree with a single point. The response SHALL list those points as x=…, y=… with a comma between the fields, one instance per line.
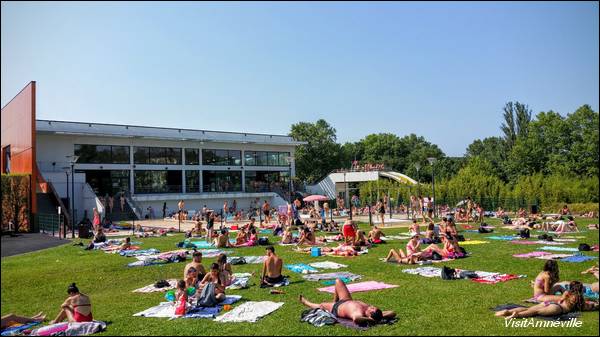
x=320, y=155
x=516, y=121
x=492, y=149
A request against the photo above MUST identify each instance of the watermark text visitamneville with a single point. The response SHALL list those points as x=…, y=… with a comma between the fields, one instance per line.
x=531, y=323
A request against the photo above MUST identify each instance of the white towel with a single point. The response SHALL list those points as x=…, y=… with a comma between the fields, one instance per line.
x=249, y=312
x=327, y=265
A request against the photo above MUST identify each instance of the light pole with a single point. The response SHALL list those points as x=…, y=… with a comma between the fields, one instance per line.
x=66, y=168
x=289, y=160
x=72, y=160
x=432, y=161
x=418, y=167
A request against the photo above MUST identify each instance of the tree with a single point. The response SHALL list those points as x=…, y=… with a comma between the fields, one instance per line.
x=583, y=152
x=320, y=155
x=516, y=121
x=492, y=149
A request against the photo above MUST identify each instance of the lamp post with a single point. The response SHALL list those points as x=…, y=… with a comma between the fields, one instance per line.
x=432, y=161
x=68, y=198
x=72, y=160
x=418, y=167
x=289, y=160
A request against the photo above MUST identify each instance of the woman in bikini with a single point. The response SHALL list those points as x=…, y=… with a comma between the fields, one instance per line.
x=215, y=277
x=307, y=237
x=76, y=308
x=544, y=284
x=361, y=239
x=400, y=257
x=571, y=301
x=225, y=270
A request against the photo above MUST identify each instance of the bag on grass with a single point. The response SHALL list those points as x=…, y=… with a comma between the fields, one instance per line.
x=485, y=230
x=448, y=273
x=524, y=234
x=263, y=241
x=236, y=260
x=584, y=247
x=436, y=256
x=161, y=284
x=467, y=274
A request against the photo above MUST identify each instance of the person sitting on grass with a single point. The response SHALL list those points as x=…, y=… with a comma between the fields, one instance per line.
x=544, y=286
x=400, y=257
x=451, y=228
x=361, y=239
x=307, y=237
x=225, y=269
x=430, y=234
x=288, y=237
x=252, y=240
x=215, y=277
x=343, y=306
x=125, y=245
x=10, y=319
x=223, y=240
x=271, y=272
x=349, y=231
x=594, y=271
x=241, y=237
x=414, y=228
x=181, y=298
x=194, y=271
x=569, y=226
x=375, y=235
x=570, y=301
x=76, y=308
x=99, y=237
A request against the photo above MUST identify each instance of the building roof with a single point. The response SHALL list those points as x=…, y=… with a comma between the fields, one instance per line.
x=151, y=132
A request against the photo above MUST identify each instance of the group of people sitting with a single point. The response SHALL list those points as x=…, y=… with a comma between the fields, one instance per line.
x=555, y=297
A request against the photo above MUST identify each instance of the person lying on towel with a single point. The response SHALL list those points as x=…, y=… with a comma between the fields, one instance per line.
x=343, y=306
x=271, y=272
x=570, y=301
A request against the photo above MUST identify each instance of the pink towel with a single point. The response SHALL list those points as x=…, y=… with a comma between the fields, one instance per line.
x=518, y=242
x=362, y=286
x=532, y=254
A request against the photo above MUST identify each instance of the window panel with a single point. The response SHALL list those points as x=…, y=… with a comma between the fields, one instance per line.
x=192, y=181
x=261, y=158
x=141, y=155
x=235, y=157
x=120, y=154
x=157, y=155
x=249, y=158
x=192, y=157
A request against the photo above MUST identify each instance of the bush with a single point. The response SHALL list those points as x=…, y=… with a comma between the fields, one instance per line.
x=16, y=201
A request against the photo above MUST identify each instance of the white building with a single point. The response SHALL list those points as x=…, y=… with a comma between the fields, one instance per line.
x=154, y=165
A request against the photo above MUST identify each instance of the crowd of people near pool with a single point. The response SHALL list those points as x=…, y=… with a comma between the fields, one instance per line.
x=437, y=241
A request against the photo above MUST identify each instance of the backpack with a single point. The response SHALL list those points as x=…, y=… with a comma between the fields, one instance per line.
x=485, y=230
x=436, y=256
x=263, y=241
x=584, y=247
x=524, y=234
x=467, y=274
x=161, y=284
x=448, y=273
x=237, y=260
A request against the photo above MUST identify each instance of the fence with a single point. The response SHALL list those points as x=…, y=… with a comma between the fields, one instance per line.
x=49, y=223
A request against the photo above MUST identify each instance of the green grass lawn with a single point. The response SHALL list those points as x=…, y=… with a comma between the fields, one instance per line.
x=37, y=282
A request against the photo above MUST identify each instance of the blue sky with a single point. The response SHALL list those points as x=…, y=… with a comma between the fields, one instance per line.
x=440, y=70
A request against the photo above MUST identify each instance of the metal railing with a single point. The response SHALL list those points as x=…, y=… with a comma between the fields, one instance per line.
x=49, y=223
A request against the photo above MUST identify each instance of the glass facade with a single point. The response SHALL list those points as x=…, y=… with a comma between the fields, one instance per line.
x=192, y=181
x=222, y=157
x=157, y=155
x=267, y=181
x=264, y=158
x=102, y=154
x=222, y=181
x=192, y=157
x=157, y=181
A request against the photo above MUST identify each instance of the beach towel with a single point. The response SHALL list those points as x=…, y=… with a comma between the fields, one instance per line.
x=209, y=253
x=539, y=242
x=70, y=329
x=473, y=242
x=253, y=259
x=144, y=252
x=531, y=254
x=331, y=276
x=578, y=258
x=553, y=256
x=565, y=240
x=362, y=286
x=396, y=237
x=249, y=311
x=563, y=317
x=301, y=268
x=152, y=289
x=18, y=329
x=318, y=317
x=198, y=244
x=496, y=278
x=560, y=249
x=504, y=237
x=239, y=281
x=327, y=265
x=424, y=271
x=167, y=309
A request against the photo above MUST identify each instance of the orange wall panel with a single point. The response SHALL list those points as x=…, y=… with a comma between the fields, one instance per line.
x=18, y=131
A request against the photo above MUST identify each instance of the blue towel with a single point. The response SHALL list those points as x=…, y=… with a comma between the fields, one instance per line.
x=560, y=249
x=300, y=267
x=578, y=258
x=16, y=330
x=211, y=312
x=503, y=237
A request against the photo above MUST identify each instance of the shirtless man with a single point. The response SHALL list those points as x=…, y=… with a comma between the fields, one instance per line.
x=223, y=240
x=375, y=235
x=266, y=208
x=343, y=306
x=196, y=264
x=271, y=273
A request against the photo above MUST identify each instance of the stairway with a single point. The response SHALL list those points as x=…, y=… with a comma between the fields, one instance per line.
x=126, y=215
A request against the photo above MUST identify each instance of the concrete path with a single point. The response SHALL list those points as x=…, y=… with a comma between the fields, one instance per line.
x=25, y=243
